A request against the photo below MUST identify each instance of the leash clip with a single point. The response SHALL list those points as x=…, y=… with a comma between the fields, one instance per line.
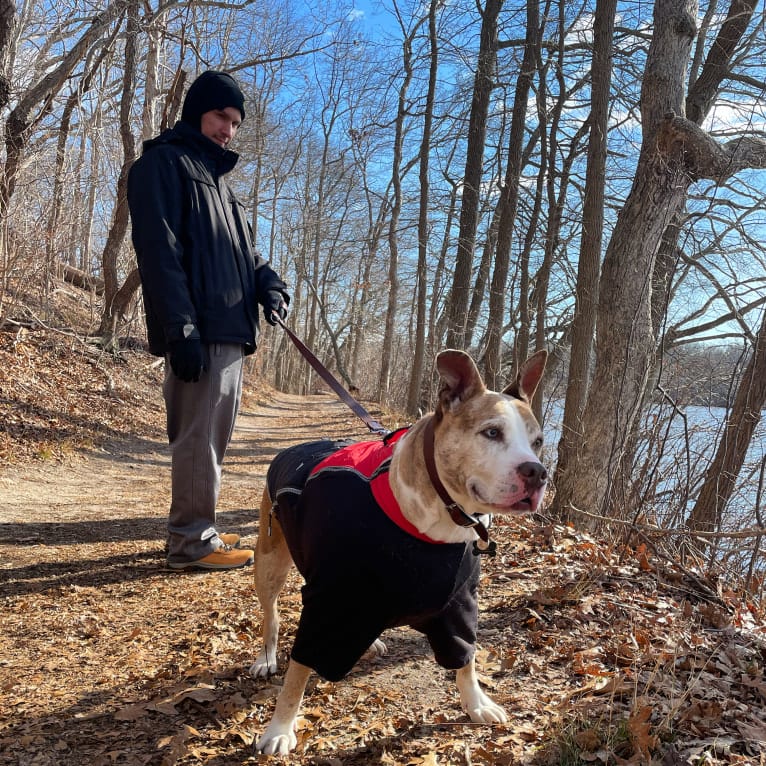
x=484, y=546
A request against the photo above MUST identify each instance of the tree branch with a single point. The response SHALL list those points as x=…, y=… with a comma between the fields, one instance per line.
x=703, y=156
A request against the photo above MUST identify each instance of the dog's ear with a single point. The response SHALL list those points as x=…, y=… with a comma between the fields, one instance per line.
x=460, y=380
x=528, y=377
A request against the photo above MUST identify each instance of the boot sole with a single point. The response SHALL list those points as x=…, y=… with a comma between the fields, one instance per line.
x=197, y=565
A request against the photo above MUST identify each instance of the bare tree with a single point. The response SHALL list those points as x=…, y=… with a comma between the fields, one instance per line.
x=674, y=152
x=477, y=130
x=509, y=198
x=589, y=261
x=38, y=98
x=61, y=154
x=119, y=227
x=396, y=209
x=7, y=28
x=418, y=365
x=738, y=433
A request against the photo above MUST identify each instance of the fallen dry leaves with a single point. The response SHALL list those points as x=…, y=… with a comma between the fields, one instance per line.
x=59, y=394
x=601, y=654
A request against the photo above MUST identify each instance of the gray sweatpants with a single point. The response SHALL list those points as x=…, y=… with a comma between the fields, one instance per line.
x=200, y=423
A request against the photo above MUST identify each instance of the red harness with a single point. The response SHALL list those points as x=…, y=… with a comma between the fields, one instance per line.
x=372, y=461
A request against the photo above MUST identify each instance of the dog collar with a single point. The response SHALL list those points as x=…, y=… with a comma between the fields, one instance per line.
x=481, y=546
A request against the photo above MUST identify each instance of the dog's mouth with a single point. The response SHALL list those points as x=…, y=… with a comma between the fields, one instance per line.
x=525, y=505
x=521, y=505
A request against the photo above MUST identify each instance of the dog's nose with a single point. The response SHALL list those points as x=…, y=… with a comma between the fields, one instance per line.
x=534, y=473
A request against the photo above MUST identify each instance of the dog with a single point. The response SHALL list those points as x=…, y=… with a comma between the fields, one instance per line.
x=394, y=539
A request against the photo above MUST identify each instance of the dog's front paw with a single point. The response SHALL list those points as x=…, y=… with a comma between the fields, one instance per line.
x=277, y=741
x=377, y=649
x=483, y=709
x=263, y=667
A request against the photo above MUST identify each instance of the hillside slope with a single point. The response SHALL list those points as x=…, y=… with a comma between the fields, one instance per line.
x=601, y=653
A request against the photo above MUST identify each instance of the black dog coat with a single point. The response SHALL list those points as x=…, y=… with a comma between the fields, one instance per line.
x=366, y=568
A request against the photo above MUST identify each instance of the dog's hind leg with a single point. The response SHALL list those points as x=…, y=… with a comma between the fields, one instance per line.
x=279, y=737
x=272, y=565
x=480, y=707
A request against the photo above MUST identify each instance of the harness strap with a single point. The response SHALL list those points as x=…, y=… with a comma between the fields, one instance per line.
x=455, y=510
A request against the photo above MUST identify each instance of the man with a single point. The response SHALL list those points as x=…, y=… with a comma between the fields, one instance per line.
x=202, y=283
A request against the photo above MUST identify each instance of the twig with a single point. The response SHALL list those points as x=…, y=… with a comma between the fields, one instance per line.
x=655, y=530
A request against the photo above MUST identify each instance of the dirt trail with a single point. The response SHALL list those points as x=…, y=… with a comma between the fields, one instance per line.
x=107, y=658
x=126, y=480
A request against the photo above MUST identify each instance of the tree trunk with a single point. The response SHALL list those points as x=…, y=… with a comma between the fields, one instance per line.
x=8, y=22
x=509, y=198
x=732, y=449
x=120, y=219
x=7, y=28
x=531, y=238
x=479, y=291
x=474, y=168
x=589, y=261
x=624, y=336
x=418, y=361
x=436, y=319
x=396, y=209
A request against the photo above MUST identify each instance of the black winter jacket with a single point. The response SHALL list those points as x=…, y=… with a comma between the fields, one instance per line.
x=200, y=275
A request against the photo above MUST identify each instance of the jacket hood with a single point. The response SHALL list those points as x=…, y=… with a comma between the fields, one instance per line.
x=183, y=133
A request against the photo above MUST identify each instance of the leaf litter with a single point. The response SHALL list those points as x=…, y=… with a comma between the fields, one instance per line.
x=600, y=653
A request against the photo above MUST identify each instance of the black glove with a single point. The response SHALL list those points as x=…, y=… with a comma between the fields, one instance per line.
x=186, y=359
x=276, y=302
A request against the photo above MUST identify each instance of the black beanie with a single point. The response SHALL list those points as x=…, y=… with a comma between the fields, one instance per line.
x=211, y=90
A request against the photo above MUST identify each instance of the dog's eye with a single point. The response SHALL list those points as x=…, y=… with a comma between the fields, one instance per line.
x=537, y=443
x=493, y=433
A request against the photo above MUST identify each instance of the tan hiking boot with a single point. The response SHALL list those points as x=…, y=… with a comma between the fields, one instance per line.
x=230, y=538
x=224, y=557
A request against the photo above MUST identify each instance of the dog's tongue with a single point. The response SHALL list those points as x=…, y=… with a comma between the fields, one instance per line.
x=529, y=503
x=514, y=502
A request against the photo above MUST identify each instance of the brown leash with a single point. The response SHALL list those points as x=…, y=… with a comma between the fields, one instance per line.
x=331, y=381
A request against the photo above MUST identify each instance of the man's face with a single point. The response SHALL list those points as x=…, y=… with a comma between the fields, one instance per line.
x=220, y=125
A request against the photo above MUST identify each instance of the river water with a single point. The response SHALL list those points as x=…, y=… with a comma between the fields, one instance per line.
x=676, y=450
